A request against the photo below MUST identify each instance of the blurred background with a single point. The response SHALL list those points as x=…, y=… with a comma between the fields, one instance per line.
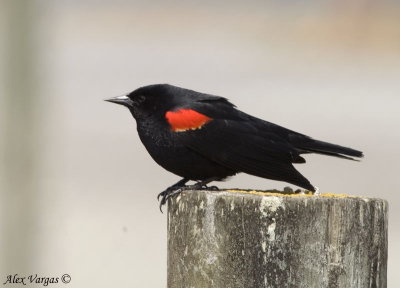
x=78, y=190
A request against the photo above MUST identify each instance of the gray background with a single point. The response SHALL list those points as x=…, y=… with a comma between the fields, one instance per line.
x=78, y=189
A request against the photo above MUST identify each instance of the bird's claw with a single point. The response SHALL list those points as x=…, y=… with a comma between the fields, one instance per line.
x=180, y=186
x=167, y=191
x=163, y=193
x=167, y=194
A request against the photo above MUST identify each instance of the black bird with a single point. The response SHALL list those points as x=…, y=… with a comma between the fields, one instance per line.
x=205, y=138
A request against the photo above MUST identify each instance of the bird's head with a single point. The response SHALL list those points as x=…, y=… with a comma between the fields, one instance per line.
x=146, y=101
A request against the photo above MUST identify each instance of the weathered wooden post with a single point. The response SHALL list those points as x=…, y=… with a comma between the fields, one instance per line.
x=256, y=239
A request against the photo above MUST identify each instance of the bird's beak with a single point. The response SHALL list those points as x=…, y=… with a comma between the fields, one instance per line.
x=122, y=100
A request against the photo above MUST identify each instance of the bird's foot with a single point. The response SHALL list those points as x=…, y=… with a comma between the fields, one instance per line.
x=169, y=193
x=175, y=190
x=180, y=186
x=201, y=186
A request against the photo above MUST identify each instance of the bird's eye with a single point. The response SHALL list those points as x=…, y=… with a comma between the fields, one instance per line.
x=140, y=99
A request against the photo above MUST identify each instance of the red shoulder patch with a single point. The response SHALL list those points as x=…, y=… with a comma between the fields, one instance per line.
x=186, y=119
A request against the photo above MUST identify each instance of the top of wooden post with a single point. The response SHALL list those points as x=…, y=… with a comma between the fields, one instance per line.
x=236, y=238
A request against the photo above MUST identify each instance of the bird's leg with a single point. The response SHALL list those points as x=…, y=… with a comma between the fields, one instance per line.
x=177, y=185
x=180, y=186
x=171, y=191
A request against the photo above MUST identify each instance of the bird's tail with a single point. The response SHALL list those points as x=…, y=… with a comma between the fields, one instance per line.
x=325, y=148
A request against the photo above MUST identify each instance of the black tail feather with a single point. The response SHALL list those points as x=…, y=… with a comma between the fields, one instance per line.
x=325, y=148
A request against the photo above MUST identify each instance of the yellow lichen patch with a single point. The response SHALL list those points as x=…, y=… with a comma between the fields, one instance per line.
x=337, y=195
x=283, y=194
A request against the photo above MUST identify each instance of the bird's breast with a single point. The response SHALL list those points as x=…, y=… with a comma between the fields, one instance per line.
x=165, y=148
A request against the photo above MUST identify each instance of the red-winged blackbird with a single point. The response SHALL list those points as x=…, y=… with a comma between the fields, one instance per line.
x=205, y=138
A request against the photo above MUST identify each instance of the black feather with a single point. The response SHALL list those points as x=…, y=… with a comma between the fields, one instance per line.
x=325, y=148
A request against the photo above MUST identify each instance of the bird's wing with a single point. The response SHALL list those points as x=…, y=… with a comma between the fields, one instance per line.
x=230, y=138
x=221, y=108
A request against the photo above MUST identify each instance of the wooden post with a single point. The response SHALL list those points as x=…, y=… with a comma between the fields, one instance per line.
x=256, y=239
